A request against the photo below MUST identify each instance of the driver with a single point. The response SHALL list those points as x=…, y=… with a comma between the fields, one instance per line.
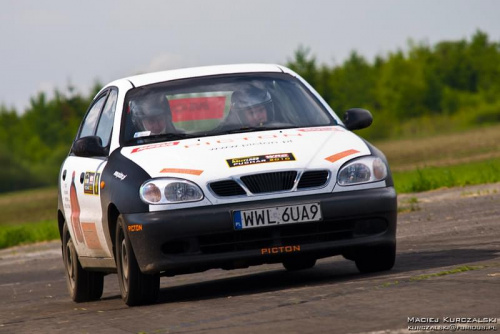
x=152, y=114
x=252, y=106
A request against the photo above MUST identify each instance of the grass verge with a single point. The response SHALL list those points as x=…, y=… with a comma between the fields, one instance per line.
x=26, y=233
x=28, y=206
x=429, y=178
x=439, y=274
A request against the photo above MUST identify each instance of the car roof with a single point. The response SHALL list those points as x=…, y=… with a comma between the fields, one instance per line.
x=150, y=78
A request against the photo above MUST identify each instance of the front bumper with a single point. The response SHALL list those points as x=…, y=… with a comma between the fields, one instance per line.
x=201, y=238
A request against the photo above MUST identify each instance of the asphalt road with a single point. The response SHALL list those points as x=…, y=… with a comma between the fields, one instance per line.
x=447, y=267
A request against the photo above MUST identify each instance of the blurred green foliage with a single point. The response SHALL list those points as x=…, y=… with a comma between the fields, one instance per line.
x=426, y=90
x=33, y=144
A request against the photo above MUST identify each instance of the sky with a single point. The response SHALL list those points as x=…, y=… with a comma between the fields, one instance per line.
x=52, y=44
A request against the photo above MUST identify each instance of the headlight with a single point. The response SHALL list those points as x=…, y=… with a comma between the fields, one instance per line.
x=170, y=190
x=363, y=170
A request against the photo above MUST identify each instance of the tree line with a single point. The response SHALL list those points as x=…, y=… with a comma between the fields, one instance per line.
x=34, y=144
x=449, y=86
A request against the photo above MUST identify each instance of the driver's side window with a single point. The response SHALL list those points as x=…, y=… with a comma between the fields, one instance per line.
x=105, y=125
x=90, y=122
x=97, y=123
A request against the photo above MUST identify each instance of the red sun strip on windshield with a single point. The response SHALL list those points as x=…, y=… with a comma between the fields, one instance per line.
x=340, y=155
x=197, y=108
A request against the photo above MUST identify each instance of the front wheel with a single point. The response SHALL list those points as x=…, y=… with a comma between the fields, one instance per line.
x=83, y=285
x=136, y=288
x=376, y=258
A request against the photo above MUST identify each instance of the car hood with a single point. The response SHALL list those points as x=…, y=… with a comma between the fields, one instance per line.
x=207, y=159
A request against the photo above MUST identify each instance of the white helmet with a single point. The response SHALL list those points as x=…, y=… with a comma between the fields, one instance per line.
x=150, y=109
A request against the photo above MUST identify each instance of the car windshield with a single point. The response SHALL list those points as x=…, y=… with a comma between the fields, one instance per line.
x=219, y=105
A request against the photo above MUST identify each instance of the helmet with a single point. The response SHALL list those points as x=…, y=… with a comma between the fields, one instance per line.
x=150, y=113
x=251, y=98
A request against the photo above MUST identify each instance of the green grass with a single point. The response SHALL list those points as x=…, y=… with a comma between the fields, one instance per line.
x=422, y=179
x=28, y=206
x=28, y=217
x=25, y=233
x=453, y=271
x=443, y=150
x=447, y=272
x=409, y=205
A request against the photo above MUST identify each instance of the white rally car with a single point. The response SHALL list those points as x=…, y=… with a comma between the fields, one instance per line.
x=227, y=167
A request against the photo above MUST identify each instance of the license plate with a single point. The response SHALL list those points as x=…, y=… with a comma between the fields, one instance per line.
x=280, y=215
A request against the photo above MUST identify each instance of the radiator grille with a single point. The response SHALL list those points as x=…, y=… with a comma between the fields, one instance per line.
x=312, y=179
x=269, y=182
x=227, y=188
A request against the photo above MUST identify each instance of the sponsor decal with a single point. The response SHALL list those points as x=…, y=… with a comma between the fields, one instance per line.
x=244, y=145
x=340, y=155
x=119, y=175
x=329, y=128
x=90, y=234
x=182, y=171
x=135, y=228
x=152, y=146
x=260, y=159
x=142, y=134
x=234, y=141
x=96, y=183
x=91, y=183
x=280, y=250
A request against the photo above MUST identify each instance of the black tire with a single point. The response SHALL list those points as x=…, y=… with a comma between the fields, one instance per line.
x=377, y=258
x=136, y=288
x=299, y=263
x=83, y=285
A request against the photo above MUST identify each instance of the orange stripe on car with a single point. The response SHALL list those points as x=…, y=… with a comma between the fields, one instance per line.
x=91, y=237
x=340, y=155
x=182, y=171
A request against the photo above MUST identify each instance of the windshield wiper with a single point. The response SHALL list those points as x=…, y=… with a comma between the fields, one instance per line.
x=172, y=136
x=255, y=129
x=245, y=129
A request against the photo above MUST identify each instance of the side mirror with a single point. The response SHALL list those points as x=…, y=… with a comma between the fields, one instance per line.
x=357, y=118
x=90, y=146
